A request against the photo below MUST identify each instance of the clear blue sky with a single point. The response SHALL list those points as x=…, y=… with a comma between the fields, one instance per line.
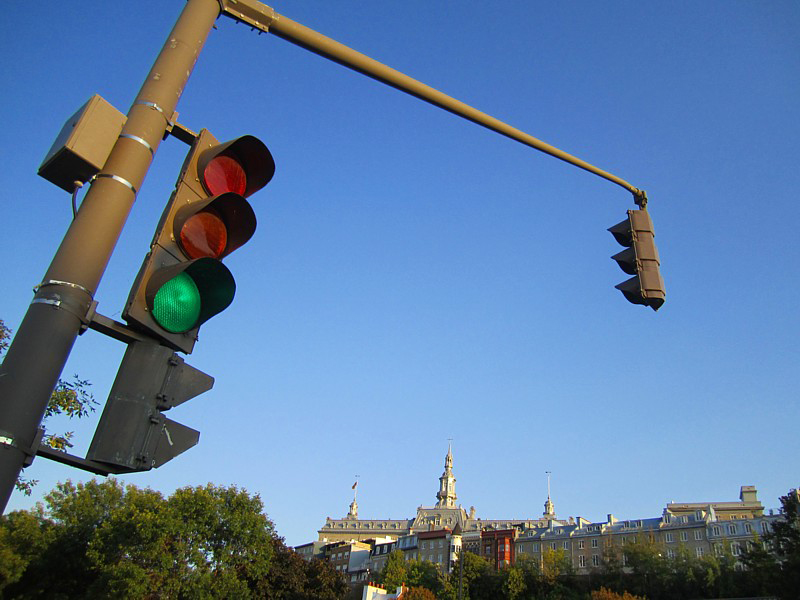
x=415, y=277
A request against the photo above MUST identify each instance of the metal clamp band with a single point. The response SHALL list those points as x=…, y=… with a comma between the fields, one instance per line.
x=124, y=182
x=136, y=138
x=56, y=303
x=158, y=108
x=57, y=282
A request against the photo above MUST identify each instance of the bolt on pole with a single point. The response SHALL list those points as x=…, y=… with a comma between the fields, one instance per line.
x=57, y=314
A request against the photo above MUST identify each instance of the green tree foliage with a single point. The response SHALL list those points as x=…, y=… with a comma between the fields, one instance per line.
x=513, y=583
x=394, y=574
x=70, y=398
x=779, y=563
x=103, y=540
x=424, y=574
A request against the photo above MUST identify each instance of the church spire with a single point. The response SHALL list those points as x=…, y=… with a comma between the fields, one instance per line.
x=446, y=496
x=549, y=509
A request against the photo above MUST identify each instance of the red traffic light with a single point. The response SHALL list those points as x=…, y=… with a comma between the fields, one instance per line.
x=242, y=166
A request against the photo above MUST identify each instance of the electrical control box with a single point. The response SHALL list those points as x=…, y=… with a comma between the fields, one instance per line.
x=82, y=147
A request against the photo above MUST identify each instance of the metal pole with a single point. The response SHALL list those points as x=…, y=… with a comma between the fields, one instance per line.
x=57, y=314
x=261, y=16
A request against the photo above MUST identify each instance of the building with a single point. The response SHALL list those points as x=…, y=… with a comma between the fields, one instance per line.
x=438, y=533
x=498, y=546
x=445, y=514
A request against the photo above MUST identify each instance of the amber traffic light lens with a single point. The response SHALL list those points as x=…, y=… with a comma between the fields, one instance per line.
x=204, y=235
x=224, y=174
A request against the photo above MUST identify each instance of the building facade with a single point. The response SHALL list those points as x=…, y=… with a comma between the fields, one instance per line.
x=438, y=533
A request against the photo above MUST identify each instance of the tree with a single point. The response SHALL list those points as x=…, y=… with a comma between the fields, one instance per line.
x=394, y=574
x=606, y=594
x=478, y=578
x=103, y=540
x=419, y=593
x=424, y=574
x=777, y=561
x=513, y=583
x=649, y=567
x=70, y=398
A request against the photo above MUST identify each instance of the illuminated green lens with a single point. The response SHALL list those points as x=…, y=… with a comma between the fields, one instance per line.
x=176, y=306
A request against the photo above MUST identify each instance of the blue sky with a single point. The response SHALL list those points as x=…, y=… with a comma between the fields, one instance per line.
x=415, y=277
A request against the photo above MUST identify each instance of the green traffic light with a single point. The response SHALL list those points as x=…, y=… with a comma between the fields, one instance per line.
x=176, y=306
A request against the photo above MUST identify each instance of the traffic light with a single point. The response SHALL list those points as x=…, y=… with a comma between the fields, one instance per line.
x=182, y=282
x=640, y=259
x=133, y=434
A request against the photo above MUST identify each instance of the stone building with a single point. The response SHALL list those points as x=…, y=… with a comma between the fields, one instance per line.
x=437, y=533
x=445, y=514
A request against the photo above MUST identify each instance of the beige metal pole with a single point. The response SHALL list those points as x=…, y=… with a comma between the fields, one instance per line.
x=264, y=18
x=58, y=311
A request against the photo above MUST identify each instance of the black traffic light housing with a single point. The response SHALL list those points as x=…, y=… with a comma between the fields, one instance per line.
x=640, y=259
x=182, y=282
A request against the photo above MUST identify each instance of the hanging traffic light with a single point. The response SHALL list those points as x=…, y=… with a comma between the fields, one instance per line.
x=640, y=259
x=182, y=282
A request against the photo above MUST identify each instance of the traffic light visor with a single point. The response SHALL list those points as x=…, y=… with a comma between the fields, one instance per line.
x=242, y=166
x=215, y=227
x=184, y=296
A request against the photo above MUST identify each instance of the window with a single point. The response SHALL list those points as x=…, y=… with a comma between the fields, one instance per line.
x=684, y=536
x=736, y=549
x=594, y=543
x=732, y=529
x=581, y=561
x=667, y=518
x=698, y=535
x=670, y=553
x=669, y=537
x=764, y=527
x=698, y=514
x=595, y=560
x=566, y=545
x=553, y=545
x=748, y=528
x=536, y=547
x=716, y=529
x=440, y=558
x=581, y=544
x=699, y=551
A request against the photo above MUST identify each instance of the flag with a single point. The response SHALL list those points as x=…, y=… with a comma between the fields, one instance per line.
x=354, y=485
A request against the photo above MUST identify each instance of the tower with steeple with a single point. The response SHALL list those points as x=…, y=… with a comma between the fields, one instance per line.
x=549, y=509
x=446, y=496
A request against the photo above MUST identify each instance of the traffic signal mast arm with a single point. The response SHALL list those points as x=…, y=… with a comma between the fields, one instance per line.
x=264, y=18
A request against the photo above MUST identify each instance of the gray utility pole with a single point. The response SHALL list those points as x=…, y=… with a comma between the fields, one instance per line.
x=58, y=312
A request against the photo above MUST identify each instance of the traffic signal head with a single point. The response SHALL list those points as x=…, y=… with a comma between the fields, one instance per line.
x=182, y=282
x=640, y=259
